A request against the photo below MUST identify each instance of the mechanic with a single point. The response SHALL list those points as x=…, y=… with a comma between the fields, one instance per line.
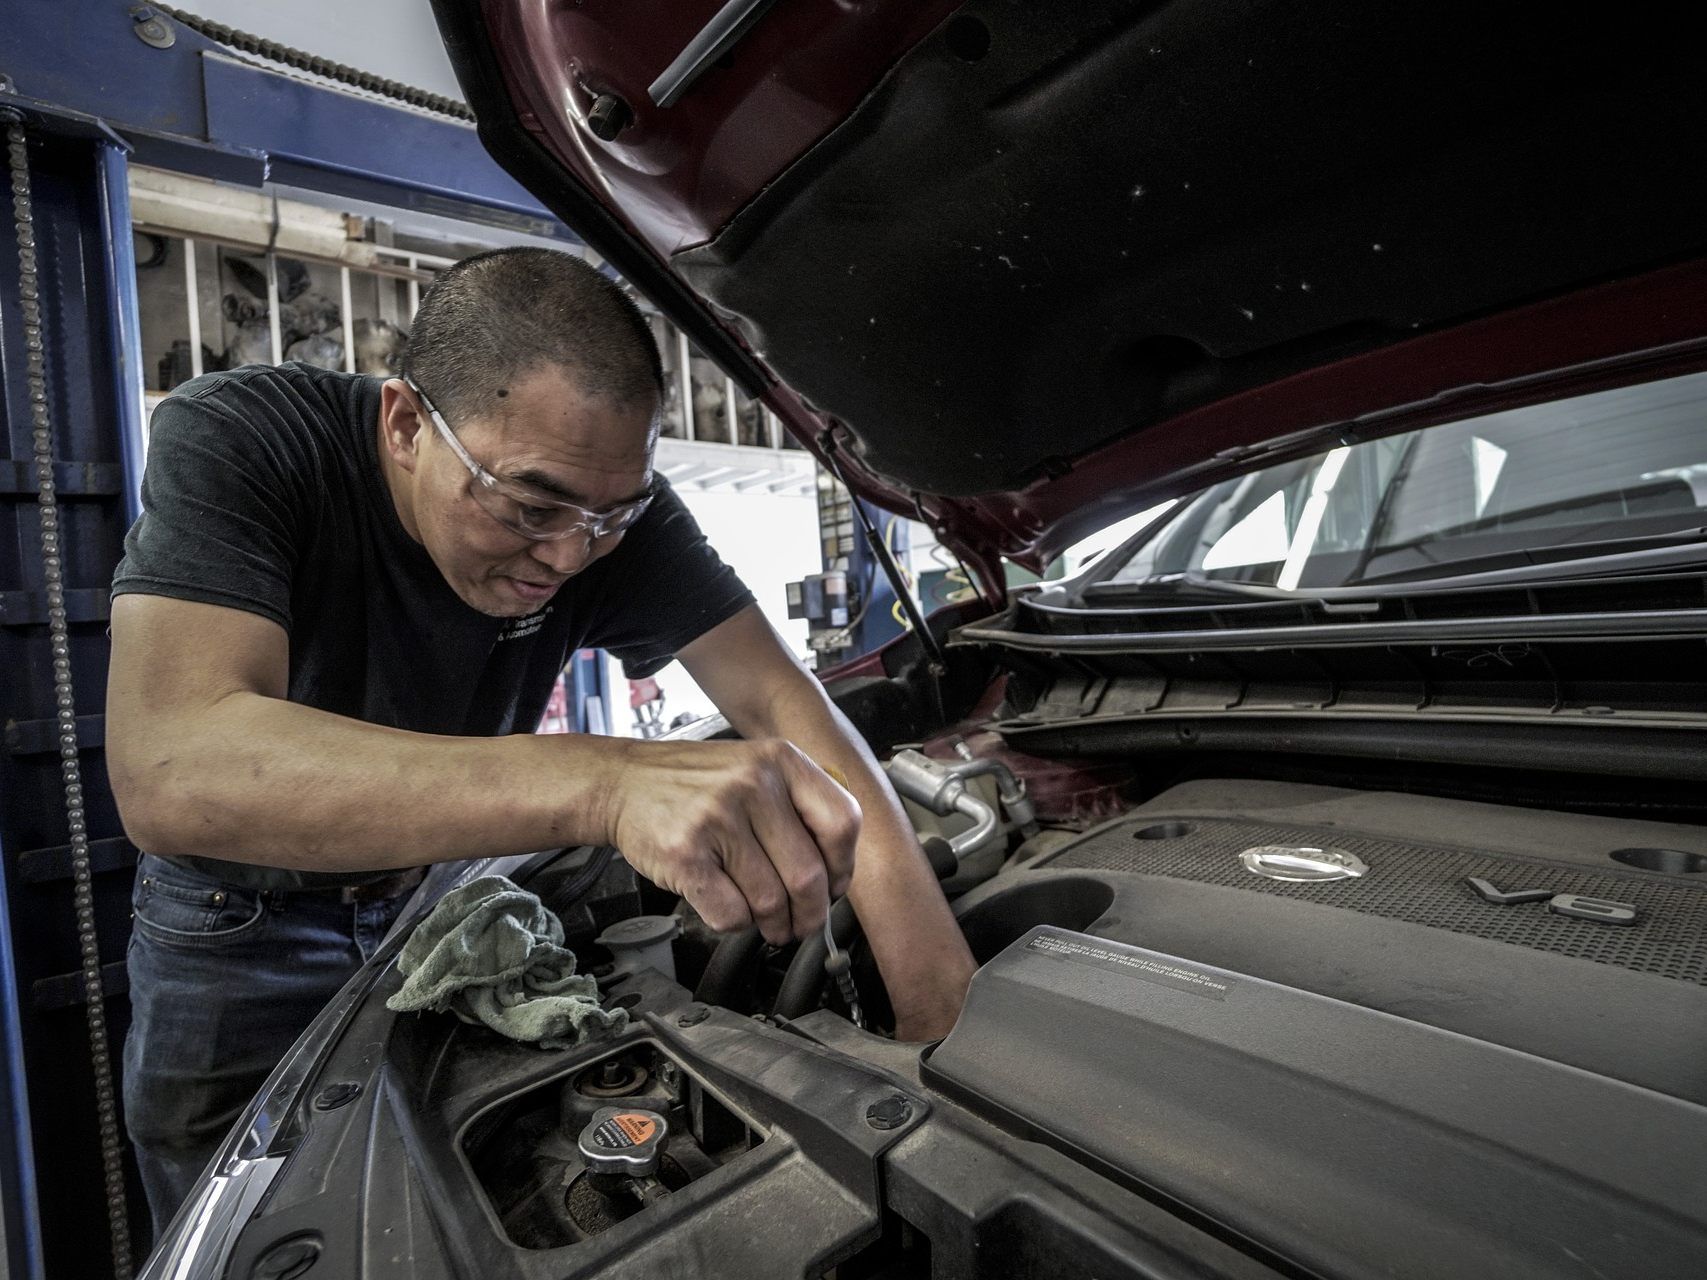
x=335, y=626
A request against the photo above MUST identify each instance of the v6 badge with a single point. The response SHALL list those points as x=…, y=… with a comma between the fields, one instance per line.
x=1575, y=905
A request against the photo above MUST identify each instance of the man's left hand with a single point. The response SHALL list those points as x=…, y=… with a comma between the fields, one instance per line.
x=913, y=935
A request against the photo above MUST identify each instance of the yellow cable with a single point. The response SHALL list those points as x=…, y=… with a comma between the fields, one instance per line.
x=895, y=610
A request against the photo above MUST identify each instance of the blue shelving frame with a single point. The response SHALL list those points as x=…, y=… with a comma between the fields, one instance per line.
x=97, y=98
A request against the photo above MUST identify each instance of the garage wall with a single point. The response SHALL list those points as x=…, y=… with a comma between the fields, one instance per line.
x=770, y=540
x=397, y=39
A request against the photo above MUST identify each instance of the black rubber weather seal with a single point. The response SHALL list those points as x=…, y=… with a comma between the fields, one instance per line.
x=1665, y=623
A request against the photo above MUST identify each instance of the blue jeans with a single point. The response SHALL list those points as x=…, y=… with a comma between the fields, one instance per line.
x=223, y=980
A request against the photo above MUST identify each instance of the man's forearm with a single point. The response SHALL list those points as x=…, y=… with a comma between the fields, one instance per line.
x=258, y=779
x=912, y=933
x=207, y=757
x=900, y=903
x=766, y=693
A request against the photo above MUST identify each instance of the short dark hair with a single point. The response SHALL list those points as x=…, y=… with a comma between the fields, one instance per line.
x=495, y=316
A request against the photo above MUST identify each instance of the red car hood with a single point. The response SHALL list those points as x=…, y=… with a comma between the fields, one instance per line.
x=1027, y=267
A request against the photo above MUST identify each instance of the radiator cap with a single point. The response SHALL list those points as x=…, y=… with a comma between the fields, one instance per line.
x=624, y=1141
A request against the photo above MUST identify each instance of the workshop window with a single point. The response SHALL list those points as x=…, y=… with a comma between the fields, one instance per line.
x=204, y=306
x=228, y=277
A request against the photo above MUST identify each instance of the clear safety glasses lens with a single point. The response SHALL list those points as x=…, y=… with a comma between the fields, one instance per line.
x=546, y=522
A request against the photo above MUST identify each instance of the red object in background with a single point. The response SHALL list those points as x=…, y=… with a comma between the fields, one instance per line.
x=646, y=700
x=1077, y=792
x=556, y=718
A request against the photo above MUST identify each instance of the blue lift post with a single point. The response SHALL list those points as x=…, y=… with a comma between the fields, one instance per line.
x=92, y=399
x=95, y=95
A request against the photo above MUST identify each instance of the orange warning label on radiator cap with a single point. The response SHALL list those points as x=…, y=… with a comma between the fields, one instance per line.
x=636, y=1127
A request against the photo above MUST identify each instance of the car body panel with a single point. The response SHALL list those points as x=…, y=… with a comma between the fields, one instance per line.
x=1031, y=268
x=677, y=176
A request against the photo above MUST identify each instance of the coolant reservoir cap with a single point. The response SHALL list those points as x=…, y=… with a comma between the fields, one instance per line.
x=624, y=1141
x=639, y=931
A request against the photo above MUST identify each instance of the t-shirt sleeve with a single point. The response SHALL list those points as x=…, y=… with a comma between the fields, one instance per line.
x=224, y=505
x=664, y=587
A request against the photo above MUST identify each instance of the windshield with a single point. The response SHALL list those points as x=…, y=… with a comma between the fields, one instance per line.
x=1612, y=467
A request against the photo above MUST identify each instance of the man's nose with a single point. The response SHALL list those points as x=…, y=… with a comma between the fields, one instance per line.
x=565, y=556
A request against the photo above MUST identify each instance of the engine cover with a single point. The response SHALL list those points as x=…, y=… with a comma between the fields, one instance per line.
x=1421, y=879
x=1409, y=936
x=1345, y=1140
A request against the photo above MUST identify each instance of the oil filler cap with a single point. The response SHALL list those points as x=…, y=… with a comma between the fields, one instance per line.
x=624, y=1141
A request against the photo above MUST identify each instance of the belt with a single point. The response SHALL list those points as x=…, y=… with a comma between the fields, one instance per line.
x=394, y=885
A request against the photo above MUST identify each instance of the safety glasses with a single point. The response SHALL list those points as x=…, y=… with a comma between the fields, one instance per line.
x=526, y=511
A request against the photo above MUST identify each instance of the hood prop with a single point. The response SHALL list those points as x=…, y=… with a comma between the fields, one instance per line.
x=934, y=660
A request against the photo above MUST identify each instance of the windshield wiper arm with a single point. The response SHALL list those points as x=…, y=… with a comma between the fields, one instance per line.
x=1538, y=558
x=1627, y=555
x=1192, y=580
x=1250, y=590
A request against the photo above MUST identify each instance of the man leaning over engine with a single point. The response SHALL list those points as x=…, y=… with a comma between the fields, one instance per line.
x=336, y=622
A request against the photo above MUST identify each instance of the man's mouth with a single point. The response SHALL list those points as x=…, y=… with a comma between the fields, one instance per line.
x=533, y=592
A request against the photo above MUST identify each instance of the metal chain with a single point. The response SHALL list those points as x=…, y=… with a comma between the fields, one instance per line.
x=273, y=51
x=53, y=574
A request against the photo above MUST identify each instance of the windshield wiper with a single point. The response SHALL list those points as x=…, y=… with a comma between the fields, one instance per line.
x=1184, y=583
x=1250, y=590
x=1542, y=559
x=1655, y=553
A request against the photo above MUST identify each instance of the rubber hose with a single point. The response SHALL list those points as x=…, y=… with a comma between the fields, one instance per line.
x=940, y=854
x=729, y=962
x=805, y=978
x=587, y=877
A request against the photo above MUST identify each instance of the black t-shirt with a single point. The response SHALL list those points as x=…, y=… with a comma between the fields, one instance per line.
x=263, y=492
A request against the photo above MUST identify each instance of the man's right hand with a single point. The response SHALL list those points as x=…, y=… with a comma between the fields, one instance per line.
x=747, y=832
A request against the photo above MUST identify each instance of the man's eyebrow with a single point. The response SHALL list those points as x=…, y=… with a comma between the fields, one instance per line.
x=544, y=483
x=536, y=479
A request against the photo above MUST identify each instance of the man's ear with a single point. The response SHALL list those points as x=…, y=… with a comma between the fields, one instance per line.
x=401, y=424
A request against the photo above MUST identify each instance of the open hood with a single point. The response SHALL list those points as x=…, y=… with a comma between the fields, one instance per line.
x=1030, y=266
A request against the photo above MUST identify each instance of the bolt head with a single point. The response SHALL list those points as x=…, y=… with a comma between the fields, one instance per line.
x=334, y=1096
x=889, y=1113
x=287, y=1259
x=608, y=116
x=152, y=29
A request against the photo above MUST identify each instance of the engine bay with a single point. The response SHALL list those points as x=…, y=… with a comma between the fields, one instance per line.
x=1243, y=1027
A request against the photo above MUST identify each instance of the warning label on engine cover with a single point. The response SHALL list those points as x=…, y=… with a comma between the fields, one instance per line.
x=1134, y=965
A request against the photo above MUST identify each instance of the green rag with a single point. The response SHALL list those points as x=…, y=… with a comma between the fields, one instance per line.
x=492, y=953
